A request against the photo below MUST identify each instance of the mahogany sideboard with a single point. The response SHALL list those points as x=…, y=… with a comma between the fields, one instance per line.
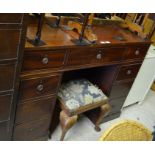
x=111, y=63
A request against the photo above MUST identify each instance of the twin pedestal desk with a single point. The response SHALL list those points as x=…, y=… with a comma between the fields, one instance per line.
x=112, y=64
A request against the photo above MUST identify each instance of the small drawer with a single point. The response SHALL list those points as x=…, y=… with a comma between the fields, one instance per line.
x=43, y=59
x=6, y=76
x=9, y=43
x=136, y=52
x=5, y=107
x=4, y=131
x=37, y=87
x=116, y=105
x=32, y=130
x=120, y=89
x=128, y=72
x=9, y=18
x=34, y=109
x=93, y=56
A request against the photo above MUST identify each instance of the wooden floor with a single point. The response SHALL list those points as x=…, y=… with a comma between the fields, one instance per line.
x=84, y=129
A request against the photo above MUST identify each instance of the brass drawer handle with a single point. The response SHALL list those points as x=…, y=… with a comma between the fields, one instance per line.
x=128, y=72
x=40, y=88
x=99, y=56
x=45, y=60
x=137, y=52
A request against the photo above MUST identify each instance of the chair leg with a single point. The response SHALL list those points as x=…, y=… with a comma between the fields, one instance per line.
x=104, y=109
x=66, y=123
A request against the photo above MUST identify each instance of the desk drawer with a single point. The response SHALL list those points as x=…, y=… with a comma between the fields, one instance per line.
x=9, y=42
x=8, y=18
x=128, y=72
x=92, y=56
x=34, y=109
x=5, y=106
x=137, y=52
x=43, y=59
x=33, y=130
x=6, y=76
x=37, y=87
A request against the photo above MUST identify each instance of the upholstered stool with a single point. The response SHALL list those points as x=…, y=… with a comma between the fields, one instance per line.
x=79, y=96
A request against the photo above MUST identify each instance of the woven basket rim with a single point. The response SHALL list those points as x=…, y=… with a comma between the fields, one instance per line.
x=126, y=122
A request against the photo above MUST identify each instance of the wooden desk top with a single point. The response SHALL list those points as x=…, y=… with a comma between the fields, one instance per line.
x=58, y=38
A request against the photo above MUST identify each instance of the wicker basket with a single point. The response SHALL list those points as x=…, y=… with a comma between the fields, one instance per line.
x=153, y=86
x=127, y=130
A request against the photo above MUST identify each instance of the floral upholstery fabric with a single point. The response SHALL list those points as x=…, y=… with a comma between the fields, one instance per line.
x=80, y=92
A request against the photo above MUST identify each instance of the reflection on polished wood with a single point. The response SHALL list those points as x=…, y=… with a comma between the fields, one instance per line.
x=57, y=37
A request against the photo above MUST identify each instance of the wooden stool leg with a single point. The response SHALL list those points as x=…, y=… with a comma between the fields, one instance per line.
x=104, y=109
x=66, y=123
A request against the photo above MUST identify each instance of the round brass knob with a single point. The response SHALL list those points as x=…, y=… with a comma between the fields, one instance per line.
x=40, y=87
x=137, y=52
x=128, y=72
x=45, y=60
x=99, y=56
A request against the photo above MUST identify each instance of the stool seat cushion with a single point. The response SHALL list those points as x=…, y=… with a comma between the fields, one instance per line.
x=81, y=92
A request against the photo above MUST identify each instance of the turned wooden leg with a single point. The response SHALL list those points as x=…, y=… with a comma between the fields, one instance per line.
x=66, y=123
x=104, y=109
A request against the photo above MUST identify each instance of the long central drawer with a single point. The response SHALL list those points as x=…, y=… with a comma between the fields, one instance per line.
x=84, y=56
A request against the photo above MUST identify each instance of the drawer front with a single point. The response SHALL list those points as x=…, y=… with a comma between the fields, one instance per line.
x=33, y=130
x=37, y=87
x=6, y=76
x=9, y=40
x=120, y=89
x=8, y=18
x=116, y=105
x=128, y=72
x=33, y=110
x=4, y=131
x=136, y=52
x=92, y=56
x=43, y=59
x=5, y=107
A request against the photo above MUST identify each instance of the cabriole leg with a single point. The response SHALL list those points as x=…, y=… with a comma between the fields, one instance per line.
x=66, y=123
